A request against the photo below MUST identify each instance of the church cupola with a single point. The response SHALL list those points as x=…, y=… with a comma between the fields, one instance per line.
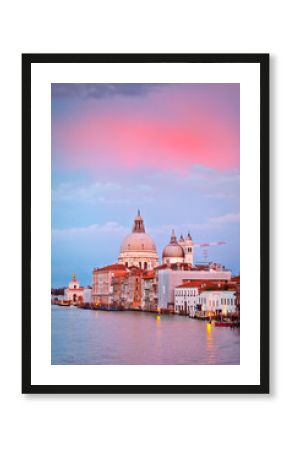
x=74, y=283
x=138, y=226
x=173, y=252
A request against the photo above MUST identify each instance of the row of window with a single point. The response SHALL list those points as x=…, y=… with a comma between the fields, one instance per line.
x=224, y=302
x=188, y=293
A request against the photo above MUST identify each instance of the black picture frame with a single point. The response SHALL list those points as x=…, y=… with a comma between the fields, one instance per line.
x=263, y=61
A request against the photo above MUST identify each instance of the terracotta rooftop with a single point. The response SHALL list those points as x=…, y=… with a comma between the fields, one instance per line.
x=112, y=267
x=236, y=279
x=189, y=284
x=120, y=274
x=149, y=274
x=206, y=284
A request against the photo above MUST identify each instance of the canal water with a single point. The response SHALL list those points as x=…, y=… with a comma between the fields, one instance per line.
x=82, y=336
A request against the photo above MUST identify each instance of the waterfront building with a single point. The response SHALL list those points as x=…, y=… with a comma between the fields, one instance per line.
x=138, y=248
x=191, y=299
x=119, y=281
x=185, y=297
x=149, y=298
x=236, y=283
x=74, y=293
x=217, y=302
x=135, y=286
x=88, y=294
x=137, y=281
x=102, y=292
x=172, y=275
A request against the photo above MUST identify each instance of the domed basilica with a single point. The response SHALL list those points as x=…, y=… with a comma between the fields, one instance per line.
x=178, y=251
x=138, y=248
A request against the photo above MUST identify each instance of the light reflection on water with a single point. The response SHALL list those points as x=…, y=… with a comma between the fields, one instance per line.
x=99, y=337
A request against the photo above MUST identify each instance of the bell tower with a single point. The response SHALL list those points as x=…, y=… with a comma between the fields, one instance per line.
x=187, y=245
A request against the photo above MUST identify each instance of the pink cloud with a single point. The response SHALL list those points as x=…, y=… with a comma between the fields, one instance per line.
x=171, y=136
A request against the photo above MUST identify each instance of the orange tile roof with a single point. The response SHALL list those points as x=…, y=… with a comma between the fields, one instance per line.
x=148, y=276
x=205, y=282
x=193, y=283
x=112, y=267
x=120, y=274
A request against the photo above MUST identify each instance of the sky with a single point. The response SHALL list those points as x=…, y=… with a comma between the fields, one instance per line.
x=170, y=150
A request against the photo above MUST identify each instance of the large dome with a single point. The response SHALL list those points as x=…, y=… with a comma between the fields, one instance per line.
x=138, y=242
x=138, y=248
x=173, y=249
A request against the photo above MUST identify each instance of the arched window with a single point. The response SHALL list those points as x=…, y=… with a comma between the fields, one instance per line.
x=145, y=265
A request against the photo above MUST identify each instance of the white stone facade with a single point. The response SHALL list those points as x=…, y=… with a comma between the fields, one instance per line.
x=169, y=279
x=74, y=293
x=188, y=301
x=185, y=299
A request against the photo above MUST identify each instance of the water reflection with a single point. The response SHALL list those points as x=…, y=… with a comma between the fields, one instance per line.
x=100, y=337
x=210, y=349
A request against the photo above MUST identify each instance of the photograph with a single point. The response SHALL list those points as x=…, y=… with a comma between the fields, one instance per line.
x=146, y=220
x=145, y=223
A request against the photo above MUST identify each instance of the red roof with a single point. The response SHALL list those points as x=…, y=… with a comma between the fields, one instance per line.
x=204, y=283
x=193, y=283
x=112, y=267
x=149, y=275
x=120, y=274
x=236, y=279
x=217, y=288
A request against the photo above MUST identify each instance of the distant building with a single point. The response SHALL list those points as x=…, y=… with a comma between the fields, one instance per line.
x=88, y=294
x=138, y=248
x=102, y=289
x=171, y=276
x=218, y=302
x=134, y=287
x=119, y=280
x=74, y=293
x=137, y=281
x=178, y=251
x=149, y=299
x=185, y=298
x=191, y=299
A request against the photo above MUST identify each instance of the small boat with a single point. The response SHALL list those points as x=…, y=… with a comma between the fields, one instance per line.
x=201, y=317
x=64, y=303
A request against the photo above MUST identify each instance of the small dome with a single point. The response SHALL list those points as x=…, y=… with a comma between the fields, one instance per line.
x=173, y=249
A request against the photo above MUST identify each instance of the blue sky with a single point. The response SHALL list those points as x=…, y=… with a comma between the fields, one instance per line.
x=172, y=151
